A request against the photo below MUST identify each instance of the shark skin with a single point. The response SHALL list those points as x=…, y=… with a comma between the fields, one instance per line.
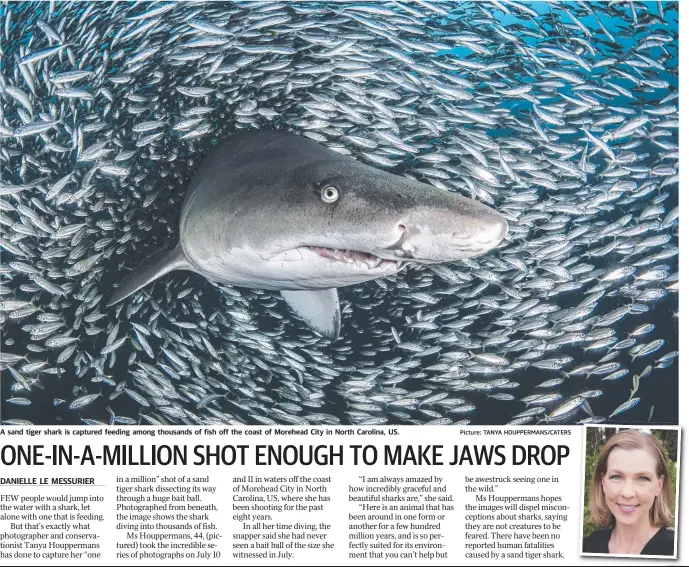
x=277, y=211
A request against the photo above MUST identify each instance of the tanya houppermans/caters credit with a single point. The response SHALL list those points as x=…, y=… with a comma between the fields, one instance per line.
x=561, y=117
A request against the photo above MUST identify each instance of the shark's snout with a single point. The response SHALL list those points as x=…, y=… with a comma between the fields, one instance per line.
x=477, y=235
x=445, y=235
x=492, y=232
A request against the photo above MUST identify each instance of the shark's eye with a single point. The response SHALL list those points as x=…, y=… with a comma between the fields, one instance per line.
x=330, y=194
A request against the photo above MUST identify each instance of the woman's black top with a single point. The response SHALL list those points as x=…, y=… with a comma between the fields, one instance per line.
x=663, y=543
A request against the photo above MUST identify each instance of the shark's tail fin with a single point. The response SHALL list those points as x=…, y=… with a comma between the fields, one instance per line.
x=150, y=270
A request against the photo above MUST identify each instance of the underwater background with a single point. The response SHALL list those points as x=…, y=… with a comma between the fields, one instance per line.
x=561, y=115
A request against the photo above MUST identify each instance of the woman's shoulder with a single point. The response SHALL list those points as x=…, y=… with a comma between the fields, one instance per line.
x=666, y=534
x=597, y=542
x=663, y=543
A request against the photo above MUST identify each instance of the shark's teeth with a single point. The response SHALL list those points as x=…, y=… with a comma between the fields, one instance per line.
x=359, y=259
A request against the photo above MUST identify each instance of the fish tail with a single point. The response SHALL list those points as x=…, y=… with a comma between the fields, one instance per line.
x=150, y=270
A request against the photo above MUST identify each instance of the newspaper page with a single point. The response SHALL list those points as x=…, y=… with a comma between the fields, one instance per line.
x=340, y=283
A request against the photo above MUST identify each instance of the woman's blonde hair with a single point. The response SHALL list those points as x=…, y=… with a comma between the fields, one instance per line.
x=630, y=439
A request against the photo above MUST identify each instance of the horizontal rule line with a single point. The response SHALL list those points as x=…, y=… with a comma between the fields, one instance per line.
x=63, y=485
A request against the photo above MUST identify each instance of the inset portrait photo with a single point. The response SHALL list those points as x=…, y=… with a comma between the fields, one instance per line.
x=630, y=491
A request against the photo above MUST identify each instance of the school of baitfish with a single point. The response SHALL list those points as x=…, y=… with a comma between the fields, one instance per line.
x=563, y=118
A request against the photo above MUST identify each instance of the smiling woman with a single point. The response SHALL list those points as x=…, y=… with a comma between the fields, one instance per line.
x=630, y=498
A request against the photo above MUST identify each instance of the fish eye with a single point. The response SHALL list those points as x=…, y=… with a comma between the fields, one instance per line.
x=330, y=194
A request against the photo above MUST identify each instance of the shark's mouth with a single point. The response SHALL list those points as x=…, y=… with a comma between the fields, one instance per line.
x=357, y=258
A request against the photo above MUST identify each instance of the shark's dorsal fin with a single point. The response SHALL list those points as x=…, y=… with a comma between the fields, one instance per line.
x=149, y=270
x=320, y=309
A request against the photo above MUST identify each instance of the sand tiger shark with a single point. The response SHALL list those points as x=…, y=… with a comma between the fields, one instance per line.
x=277, y=211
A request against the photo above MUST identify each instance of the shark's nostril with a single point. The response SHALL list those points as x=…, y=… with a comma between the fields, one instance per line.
x=402, y=240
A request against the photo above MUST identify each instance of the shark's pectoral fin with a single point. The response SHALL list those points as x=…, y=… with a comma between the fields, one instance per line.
x=149, y=270
x=320, y=309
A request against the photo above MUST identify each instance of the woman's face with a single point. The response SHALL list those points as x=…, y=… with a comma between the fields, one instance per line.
x=631, y=485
